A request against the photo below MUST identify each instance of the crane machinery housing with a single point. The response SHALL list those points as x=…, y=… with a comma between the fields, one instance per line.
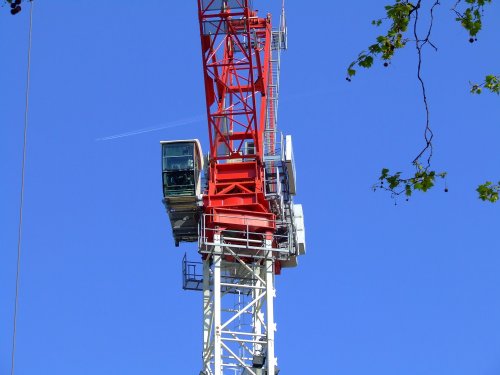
x=236, y=202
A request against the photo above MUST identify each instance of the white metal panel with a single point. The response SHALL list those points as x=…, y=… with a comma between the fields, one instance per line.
x=290, y=263
x=290, y=164
x=300, y=228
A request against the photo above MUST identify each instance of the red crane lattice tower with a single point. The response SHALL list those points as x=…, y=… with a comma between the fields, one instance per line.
x=236, y=60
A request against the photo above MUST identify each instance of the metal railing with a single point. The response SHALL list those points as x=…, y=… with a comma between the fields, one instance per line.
x=234, y=277
x=246, y=241
x=192, y=278
x=274, y=145
x=223, y=4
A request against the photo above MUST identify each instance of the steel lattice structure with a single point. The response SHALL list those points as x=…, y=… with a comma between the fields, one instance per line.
x=244, y=218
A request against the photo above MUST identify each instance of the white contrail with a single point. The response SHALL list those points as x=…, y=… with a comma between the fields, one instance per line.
x=173, y=124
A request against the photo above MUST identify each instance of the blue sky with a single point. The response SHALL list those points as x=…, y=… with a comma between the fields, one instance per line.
x=388, y=289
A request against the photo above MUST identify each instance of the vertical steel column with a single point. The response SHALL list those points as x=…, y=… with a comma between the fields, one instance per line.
x=258, y=316
x=217, y=306
x=271, y=327
x=207, y=318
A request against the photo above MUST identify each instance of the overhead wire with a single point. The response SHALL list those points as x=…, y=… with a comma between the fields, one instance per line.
x=21, y=200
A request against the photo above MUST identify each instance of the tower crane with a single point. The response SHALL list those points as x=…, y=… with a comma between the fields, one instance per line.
x=236, y=202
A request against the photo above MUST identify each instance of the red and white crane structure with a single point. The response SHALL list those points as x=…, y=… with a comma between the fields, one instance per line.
x=242, y=214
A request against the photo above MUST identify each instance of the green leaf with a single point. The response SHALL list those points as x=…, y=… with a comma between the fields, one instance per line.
x=366, y=62
x=488, y=191
x=408, y=190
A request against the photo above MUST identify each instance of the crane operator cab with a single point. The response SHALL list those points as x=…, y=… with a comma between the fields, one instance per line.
x=182, y=164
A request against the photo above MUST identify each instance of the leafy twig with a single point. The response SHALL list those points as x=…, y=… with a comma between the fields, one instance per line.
x=472, y=17
x=491, y=82
x=422, y=180
x=489, y=191
x=399, y=15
